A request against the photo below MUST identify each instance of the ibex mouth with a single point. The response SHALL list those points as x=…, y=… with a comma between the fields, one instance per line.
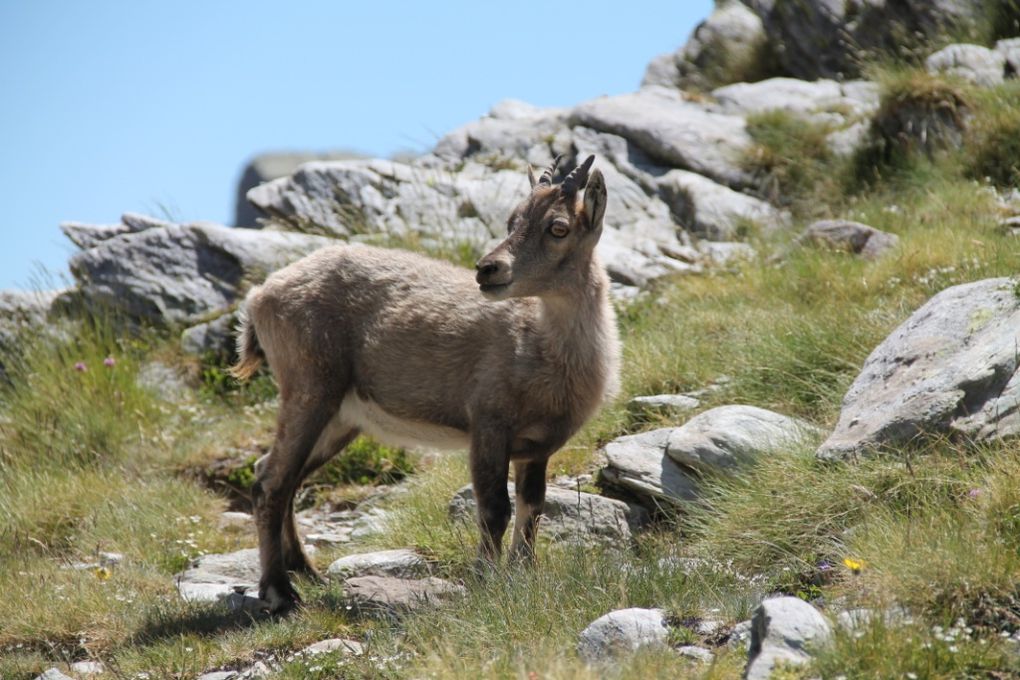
x=493, y=290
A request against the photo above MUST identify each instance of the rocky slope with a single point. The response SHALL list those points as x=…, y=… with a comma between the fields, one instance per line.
x=682, y=197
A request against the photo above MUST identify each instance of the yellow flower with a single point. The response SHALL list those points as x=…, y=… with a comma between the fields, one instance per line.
x=102, y=573
x=854, y=564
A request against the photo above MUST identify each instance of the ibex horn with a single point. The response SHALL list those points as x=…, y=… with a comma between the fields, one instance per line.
x=578, y=177
x=547, y=175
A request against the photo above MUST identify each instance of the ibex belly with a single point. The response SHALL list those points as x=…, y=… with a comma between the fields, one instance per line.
x=386, y=428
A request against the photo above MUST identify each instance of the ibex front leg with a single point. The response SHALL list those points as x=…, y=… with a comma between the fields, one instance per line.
x=490, y=467
x=529, y=480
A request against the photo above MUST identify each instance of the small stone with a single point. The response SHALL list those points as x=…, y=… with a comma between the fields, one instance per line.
x=849, y=236
x=88, y=668
x=348, y=647
x=622, y=631
x=740, y=635
x=218, y=675
x=110, y=559
x=697, y=653
x=236, y=520
x=664, y=403
x=782, y=630
x=53, y=674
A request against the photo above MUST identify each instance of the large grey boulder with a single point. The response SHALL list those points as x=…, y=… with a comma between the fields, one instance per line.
x=622, y=631
x=673, y=131
x=723, y=438
x=568, y=516
x=974, y=63
x=726, y=47
x=851, y=237
x=784, y=629
x=951, y=368
x=637, y=464
x=714, y=211
x=273, y=165
x=182, y=273
x=834, y=39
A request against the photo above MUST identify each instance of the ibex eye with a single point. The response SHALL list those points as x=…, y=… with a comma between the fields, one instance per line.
x=559, y=229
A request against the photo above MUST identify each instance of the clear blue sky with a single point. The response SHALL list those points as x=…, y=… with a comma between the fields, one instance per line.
x=110, y=107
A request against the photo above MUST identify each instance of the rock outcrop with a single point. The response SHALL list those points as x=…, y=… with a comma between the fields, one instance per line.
x=824, y=39
x=729, y=46
x=269, y=166
x=951, y=368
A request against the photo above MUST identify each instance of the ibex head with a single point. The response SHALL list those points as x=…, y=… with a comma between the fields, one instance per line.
x=551, y=236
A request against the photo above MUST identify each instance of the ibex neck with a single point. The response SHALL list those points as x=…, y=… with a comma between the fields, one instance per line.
x=578, y=328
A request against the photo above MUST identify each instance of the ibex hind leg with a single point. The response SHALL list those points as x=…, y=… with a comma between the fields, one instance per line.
x=529, y=481
x=301, y=421
x=333, y=439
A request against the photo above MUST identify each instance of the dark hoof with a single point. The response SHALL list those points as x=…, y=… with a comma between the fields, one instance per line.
x=281, y=598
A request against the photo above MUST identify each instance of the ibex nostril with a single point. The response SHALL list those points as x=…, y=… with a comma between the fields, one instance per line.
x=486, y=268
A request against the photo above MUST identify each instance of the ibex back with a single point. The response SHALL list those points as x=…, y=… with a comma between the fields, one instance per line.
x=413, y=351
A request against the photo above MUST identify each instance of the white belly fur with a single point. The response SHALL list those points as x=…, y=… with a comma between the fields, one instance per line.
x=388, y=429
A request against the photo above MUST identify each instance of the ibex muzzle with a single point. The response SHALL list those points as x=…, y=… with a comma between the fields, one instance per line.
x=407, y=350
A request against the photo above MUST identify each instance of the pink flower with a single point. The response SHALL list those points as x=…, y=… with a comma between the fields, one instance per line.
x=81, y=367
x=974, y=493
x=109, y=362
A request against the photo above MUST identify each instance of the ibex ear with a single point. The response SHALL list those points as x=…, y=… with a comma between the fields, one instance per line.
x=595, y=200
x=531, y=176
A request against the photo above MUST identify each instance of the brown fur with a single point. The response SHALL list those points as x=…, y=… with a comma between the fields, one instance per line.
x=412, y=343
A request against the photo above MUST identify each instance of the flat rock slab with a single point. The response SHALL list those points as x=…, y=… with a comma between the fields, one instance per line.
x=782, y=630
x=723, y=438
x=638, y=464
x=951, y=368
x=389, y=596
x=851, y=237
x=569, y=515
x=223, y=577
x=402, y=563
x=622, y=631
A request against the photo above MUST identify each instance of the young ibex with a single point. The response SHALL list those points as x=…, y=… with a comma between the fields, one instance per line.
x=411, y=351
